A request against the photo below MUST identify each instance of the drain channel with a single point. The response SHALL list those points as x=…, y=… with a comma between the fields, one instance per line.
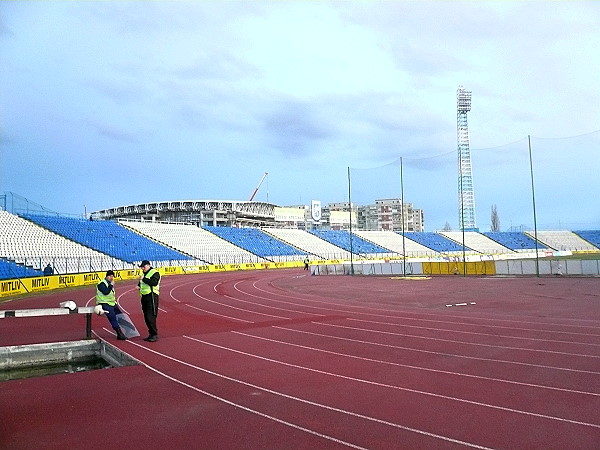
x=38, y=360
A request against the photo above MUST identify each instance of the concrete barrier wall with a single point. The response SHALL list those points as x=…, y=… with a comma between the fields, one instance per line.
x=367, y=268
x=501, y=267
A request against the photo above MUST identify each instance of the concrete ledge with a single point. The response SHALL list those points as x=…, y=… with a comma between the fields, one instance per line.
x=19, y=356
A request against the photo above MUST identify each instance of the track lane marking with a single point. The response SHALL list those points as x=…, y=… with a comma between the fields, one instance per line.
x=443, y=329
x=229, y=402
x=413, y=391
x=216, y=314
x=233, y=307
x=472, y=343
x=446, y=354
x=281, y=394
x=594, y=323
x=408, y=366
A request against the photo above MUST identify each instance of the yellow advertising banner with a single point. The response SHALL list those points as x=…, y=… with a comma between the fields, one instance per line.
x=11, y=287
x=39, y=284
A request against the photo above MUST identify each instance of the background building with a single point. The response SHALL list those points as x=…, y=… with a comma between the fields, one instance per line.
x=384, y=214
x=387, y=215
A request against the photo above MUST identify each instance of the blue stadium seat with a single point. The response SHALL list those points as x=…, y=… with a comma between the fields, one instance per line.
x=592, y=236
x=9, y=269
x=341, y=238
x=513, y=240
x=108, y=237
x=255, y=241
x=435, y=241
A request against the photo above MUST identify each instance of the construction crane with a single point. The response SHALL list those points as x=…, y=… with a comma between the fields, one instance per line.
x=258, y=187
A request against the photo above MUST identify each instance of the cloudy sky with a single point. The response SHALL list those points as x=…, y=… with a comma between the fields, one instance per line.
x=113, y=103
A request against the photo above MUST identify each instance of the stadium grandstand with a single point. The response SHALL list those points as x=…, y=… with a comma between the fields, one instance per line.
x=210, y=232
x=199, y=212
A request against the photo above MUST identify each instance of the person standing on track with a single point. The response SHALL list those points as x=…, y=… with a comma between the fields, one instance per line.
x=107, y=298
x=149, y=286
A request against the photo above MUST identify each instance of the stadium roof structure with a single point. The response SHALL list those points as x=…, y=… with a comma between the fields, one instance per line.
x=223, y=211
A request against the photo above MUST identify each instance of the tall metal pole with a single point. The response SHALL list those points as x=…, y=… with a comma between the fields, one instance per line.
x=537, y=258
x=463, y=233
x=350, y=208
x=402, y=218
x=463, y=106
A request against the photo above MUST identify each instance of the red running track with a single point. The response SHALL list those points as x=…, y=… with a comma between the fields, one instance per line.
x=279, y=359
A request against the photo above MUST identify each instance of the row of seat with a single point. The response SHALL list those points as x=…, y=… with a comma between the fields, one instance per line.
x=27, y=243
x=351, y=243
x=309, y=243
x=591, y=236
x=10, y=269
x=33, y=240
x=107, y=237
x=194, y=241
x=255, y=241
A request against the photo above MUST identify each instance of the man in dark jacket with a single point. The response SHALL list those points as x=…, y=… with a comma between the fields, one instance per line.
x=149, y=286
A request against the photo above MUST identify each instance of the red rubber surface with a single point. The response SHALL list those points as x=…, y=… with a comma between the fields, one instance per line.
x=279, y=359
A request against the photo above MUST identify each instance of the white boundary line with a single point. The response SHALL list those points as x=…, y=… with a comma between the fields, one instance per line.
x=384, y=385
x=470, y=343
x=330, y=408
x=233, y=307
x=408, y=366
x=448, y=354
x=594, y=324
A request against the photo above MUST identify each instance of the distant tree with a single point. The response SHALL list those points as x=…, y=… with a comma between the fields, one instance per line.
x=495, y=219
x=447, y=227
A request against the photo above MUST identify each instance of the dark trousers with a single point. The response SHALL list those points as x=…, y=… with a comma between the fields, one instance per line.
x=150, y=310
x=111, y=314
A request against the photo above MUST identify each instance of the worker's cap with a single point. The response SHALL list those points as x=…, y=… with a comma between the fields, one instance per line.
x=109, y=273
x=145, y=263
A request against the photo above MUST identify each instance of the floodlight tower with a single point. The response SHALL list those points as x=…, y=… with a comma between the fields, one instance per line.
x=466, y=195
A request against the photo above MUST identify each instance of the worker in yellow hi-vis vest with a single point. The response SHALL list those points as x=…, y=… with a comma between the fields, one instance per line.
x=149, y=286
x=106, y=297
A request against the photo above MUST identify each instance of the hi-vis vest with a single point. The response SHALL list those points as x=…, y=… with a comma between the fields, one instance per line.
x=109, y=299
x=146, y=288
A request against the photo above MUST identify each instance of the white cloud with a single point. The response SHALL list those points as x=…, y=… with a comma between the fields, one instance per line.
x=244, y=87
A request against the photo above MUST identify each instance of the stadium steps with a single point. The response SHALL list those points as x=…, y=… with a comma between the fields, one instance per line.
x=107, y=237
x=158, y=241
x=517, y=241
x=357, y=245
x=590, y=236
x=436, y=242
x=257, y=242
x=308, y=243
x=477, y=242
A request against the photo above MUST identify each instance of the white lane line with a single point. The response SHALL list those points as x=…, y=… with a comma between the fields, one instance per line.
x=215, y=314
x=448, y=354
x=399, y=388
x=298, y=399
x=594, y=323
x=265, y=306
x=234, y=307
x=474, y=333
x=200, y=309
x=180, y=285
x=408, y=366
x=236, y=405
